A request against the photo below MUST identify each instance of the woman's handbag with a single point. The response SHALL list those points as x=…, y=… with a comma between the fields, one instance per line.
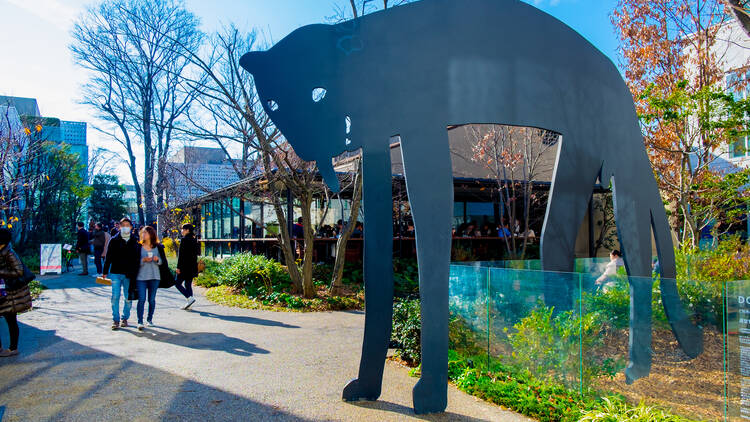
x=166, y=278
x=201, y=265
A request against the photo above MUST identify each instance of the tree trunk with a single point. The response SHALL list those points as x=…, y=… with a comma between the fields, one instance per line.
x=338, y=266
x=308, y=288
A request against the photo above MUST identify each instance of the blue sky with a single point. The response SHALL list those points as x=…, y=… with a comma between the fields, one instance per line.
x=36, y=62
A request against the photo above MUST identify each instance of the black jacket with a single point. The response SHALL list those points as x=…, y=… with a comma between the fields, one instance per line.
x=122, y=257
x=187, y=257
x=82, y=243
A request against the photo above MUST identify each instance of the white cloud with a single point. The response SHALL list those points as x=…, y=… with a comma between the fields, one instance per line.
x=53, y=11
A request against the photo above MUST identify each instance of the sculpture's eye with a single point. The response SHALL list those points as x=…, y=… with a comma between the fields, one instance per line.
x=273, y=105
x=318, y=94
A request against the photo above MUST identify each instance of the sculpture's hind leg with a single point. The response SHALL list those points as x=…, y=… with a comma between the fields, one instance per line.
x=633, y=217
x=688, y=335
x=378, y=263
x=572, y=185
x=429, y=179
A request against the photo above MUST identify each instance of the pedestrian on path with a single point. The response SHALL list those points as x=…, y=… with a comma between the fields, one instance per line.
x=187, y=264
x=153, y=268
x=99, y=241
x=15, y=295
x=121, y=264
x=83, y=248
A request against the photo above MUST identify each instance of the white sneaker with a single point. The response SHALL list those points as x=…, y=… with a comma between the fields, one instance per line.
x=149, y=324
x=140, y=327
x=189, y=303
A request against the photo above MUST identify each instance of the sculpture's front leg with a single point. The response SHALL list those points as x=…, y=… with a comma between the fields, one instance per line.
x=378, y=256
x=429, y=181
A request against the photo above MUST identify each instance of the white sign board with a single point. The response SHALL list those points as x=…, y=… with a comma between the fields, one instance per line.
x=51, y=259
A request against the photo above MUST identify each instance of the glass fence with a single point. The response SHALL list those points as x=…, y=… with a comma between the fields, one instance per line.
x=683, y=345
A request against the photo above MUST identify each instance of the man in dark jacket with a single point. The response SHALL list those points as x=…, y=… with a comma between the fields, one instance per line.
x=187, y=264
x=121, y=263
x=82, y=247
x=99, y=241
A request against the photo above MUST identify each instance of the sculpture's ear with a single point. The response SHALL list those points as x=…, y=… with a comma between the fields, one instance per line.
x=253, y=61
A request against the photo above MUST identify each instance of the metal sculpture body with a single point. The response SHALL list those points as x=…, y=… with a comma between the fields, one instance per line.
x=414, y=70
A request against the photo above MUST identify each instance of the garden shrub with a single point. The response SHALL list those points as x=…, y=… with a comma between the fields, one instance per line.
x=406, y=332
x=405, y=278
x=170, y=246
x=550, y=345
x=36, y=288
x=619, y=411
x=254, y=275
x=32, y=260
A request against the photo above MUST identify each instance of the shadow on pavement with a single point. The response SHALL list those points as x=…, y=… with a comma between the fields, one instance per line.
x=200, y=341
x=57, y=379
x=408, y=411
x=245, y=319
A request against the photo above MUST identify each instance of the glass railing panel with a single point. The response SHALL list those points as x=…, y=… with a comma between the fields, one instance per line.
x=534, y=323
x=675, y=327
x=468, y=296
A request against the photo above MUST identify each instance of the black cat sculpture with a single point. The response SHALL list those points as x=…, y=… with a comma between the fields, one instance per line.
x=413, y=71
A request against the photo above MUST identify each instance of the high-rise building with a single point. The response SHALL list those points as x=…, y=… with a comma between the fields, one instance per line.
x=195, y=171
x=53, y=129
x=23, y=106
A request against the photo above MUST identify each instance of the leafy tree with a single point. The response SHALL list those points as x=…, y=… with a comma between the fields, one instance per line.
x=107, y=201
x=673, y=66
x=55, y=195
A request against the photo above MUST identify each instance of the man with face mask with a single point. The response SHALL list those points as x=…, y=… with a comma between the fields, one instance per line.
x=121, y=263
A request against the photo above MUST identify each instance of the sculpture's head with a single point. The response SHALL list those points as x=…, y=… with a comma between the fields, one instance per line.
x=300, y=88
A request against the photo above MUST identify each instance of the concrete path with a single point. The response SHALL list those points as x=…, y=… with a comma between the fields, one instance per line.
x=212, y=363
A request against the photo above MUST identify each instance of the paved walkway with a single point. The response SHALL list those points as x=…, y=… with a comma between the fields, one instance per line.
x=212, y=363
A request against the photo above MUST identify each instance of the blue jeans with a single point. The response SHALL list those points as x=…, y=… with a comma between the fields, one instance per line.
x=151, y=286
x=120, y=283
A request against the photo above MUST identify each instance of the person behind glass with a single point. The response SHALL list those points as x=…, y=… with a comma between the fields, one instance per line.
x=99, y=241
x=120, y=266
x=83, y=248
x=152, y=269
x=187, y=264
x=11, y=301
x=606, y=280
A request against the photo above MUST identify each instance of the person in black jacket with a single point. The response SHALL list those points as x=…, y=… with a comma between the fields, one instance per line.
x=82, y=247
x=122, y=264
x=187, y=264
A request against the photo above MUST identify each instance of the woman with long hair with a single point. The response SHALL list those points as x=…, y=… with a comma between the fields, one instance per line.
x=153, y=268
x=15, y=296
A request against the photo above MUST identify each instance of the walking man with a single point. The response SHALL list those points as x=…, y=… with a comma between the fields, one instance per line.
x=82, y=247
x=121, y=264
x=101, y=237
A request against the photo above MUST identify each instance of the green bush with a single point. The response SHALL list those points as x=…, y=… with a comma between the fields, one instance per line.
x=206, y=280
x=550, y=345
x=213, y=267
x=543, y=400
x=619, y=411
x=406, y=332
x=31, y=260
x=405, y=278
x=36, y=288
x=254, y=275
